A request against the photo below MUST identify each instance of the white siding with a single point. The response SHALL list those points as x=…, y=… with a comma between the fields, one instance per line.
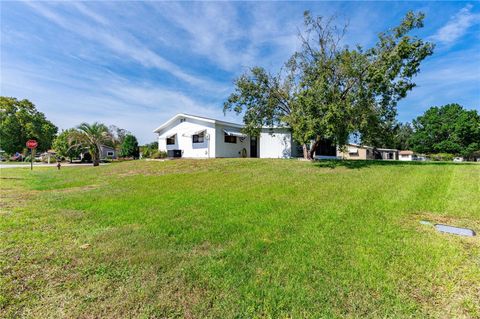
x=230, y=149
x=272, y=143
x=183, y=141
x=275, y=143
x=405, y=157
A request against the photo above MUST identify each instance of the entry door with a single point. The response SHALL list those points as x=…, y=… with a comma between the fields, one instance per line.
x=253, y=146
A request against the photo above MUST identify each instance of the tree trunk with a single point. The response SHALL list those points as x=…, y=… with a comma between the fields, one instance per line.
x=311, y=152
x=305, y=151
x=96, y=160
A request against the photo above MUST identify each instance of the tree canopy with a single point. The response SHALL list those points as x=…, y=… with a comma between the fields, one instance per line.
x=91, y=137
x=118, y=134
x=63, y=145
x=129, y=147
x=21, y=121
x=447, y=129
x=327, y=90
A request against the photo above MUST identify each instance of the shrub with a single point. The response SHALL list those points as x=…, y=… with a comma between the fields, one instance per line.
x=158, y=154
x=52, y=159
x=442, y=157
x=147, y=152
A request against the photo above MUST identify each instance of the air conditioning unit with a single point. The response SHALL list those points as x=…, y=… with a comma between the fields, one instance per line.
x=174, y=153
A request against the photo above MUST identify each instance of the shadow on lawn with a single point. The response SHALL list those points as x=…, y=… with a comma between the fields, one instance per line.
x=357, y=164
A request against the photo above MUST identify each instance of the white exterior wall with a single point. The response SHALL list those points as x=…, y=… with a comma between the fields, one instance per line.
x=223, y=149
x=405, y=157
x=184, y=143
x=272, y=143
x=276, y=145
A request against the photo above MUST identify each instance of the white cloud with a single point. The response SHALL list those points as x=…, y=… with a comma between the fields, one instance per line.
x=233, y=41
x=453, y=78
x=138, y=107
x=125, y=45
x=89, y=13
x=457, y=26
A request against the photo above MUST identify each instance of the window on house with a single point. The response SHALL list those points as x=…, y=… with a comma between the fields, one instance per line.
x=230, y=139
x=198, y=138
x=109, y=153
x=171, y=140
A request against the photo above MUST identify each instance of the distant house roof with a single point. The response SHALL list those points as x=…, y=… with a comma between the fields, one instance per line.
x=405, y=153
x=371, y=147
x=387, y=149
x=198, y=118
x=107, y=147
x=354, y=145
x=209, y=120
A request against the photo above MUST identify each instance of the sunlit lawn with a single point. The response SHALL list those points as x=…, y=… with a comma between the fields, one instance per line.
x=239, y=238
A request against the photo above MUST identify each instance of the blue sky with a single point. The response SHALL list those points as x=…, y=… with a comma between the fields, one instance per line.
x=135, y=64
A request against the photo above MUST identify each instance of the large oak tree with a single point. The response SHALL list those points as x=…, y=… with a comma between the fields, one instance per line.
x=329, y=90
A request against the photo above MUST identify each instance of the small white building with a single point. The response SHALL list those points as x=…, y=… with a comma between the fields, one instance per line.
x=194, y=136
x=405, y=156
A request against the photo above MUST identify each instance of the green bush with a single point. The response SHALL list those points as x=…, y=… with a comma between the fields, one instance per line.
x=147, y=152
x=158, y=154
x=28, y=158
x=442, y=157
x=52, y=159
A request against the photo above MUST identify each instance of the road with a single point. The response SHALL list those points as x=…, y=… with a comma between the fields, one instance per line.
x=2, y=166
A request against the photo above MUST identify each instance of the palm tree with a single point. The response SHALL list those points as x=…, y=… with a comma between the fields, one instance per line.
x=91, y=137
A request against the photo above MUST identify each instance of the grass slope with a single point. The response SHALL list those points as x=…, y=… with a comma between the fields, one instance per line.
x=239, y=238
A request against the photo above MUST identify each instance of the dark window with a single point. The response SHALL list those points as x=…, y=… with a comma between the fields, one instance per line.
x=171, y=140
x=198, y=138
x=230, y=139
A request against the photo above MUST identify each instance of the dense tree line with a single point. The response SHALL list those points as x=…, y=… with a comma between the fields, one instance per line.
x=21, y=121
x=447, y=129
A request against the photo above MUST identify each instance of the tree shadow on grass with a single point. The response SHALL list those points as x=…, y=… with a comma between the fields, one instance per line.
x=358, y=164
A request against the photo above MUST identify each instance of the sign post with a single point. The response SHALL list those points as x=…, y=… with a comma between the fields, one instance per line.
x=32, y=145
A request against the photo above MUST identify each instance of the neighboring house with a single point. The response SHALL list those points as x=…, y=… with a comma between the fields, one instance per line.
x=355, y=151
x=193, y=136
x=386, y=153
x=406, y=156
x=106, y=152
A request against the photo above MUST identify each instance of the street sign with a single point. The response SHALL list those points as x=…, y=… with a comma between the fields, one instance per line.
x=32, y=144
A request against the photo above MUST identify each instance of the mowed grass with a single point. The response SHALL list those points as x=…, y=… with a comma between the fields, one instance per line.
x=240, y=238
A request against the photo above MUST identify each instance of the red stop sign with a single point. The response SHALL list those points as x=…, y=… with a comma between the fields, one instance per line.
x=32, y=144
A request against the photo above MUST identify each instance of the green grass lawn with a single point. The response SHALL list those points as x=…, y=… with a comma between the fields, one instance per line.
x=240, y=238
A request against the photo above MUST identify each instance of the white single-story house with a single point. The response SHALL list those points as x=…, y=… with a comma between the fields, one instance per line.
x=192, y=136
